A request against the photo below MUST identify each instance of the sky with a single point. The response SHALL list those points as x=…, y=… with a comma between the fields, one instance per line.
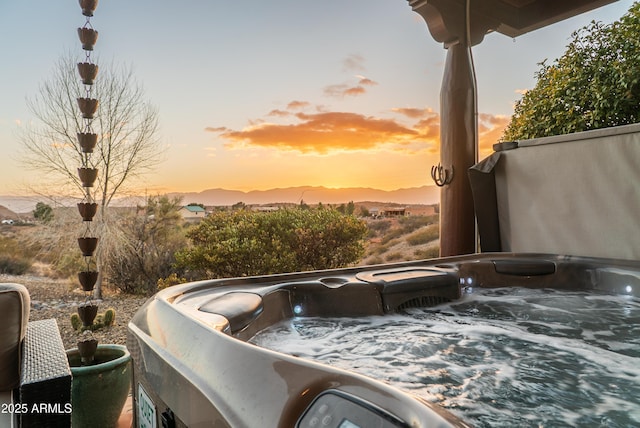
x=264, y=94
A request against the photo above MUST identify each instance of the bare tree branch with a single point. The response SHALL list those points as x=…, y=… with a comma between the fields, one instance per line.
x=126, y=124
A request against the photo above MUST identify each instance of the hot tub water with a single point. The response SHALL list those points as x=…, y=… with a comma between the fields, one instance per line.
x=497, y=357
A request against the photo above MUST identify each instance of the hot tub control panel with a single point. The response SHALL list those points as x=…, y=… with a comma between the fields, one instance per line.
x=337, y=409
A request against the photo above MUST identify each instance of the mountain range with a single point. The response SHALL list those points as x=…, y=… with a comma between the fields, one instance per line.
x=424, y=195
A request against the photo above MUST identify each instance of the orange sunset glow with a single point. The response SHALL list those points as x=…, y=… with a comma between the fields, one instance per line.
x=262, y=95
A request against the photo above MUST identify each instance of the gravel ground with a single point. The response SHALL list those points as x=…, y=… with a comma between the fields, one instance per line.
x=55, y=298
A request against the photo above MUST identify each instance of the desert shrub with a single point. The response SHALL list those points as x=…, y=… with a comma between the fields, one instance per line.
x=382, y=248
x=393, y=257
x=43, y=212
x=428, y=253
x=243, y=243
x=150, y=237
x=424, y=235
x=412, y=223
x=172, y=279
x=377, y=227
x=391, y=235
x=12, y=265
x=68, y=262
x=55, y=242
x=375, y=261
x=15, y=257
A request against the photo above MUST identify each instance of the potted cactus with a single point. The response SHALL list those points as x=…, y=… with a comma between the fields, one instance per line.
x=101, y=374
x=101, y=380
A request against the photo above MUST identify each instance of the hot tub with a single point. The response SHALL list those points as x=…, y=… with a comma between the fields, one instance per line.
x=193, y=365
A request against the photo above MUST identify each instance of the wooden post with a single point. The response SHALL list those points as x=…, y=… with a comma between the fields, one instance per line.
x=458, y=152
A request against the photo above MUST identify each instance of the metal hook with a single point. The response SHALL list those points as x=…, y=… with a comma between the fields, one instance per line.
x=440, y=175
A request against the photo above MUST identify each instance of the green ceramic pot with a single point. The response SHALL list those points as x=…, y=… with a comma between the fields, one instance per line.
x=99, y=391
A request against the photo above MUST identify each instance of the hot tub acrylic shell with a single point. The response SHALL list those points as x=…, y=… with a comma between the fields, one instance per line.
x=193, y=366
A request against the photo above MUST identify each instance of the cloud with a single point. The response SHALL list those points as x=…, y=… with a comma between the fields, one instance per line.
x=295, y=105
x=354, y=91
x=428, y=124
x=325, y=132
x=365, y=81
x=216, y=129
x=413, y=113
x=279, y=113
x=353, y=62
x=340, y=90
x=344, y=89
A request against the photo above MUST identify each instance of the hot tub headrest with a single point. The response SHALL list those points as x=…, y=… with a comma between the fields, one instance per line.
x=239, y=308
x=413, y=286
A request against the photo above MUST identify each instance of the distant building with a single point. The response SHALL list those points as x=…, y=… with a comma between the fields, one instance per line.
x=425, y=210
x=193, y=212
x=421, y=210
x=395, y=212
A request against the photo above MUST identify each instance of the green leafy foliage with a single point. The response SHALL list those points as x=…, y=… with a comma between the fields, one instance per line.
x=595, y=84
x=348, y=209
x=43, y=212
x=244, y=243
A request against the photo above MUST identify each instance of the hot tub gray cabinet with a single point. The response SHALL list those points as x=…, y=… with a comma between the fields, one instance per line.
x=193, y=366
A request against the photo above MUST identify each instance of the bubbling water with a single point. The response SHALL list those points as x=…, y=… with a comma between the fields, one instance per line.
x=496, y=357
